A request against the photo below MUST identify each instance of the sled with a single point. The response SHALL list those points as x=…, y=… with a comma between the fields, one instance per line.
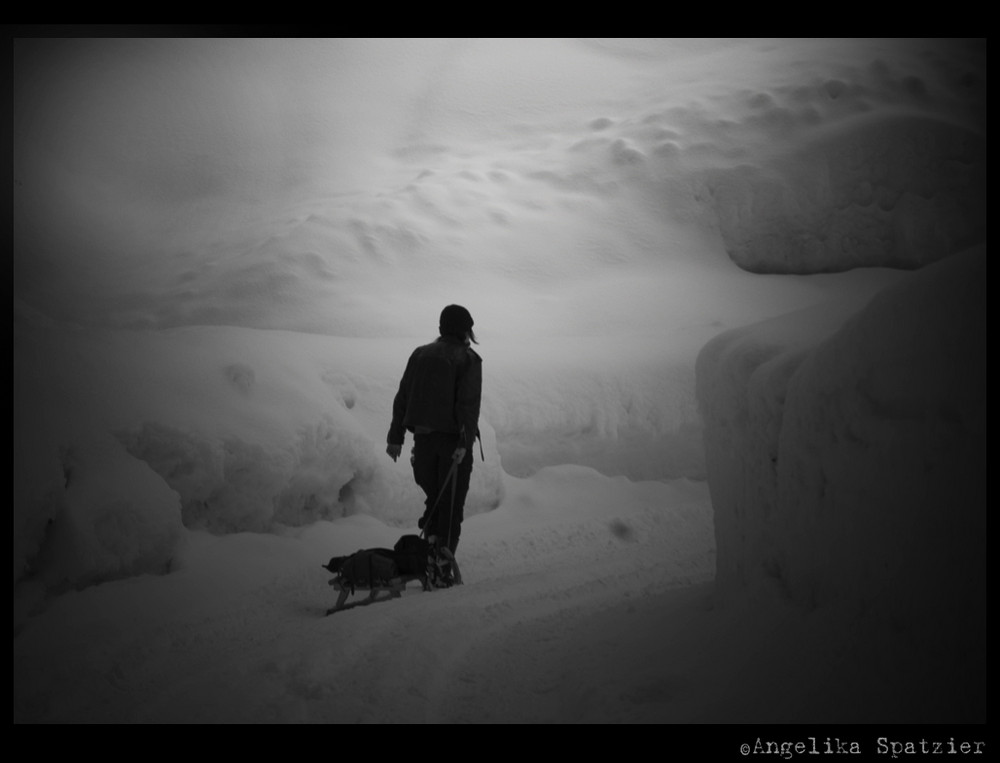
x=382, y=570
x=393, y=587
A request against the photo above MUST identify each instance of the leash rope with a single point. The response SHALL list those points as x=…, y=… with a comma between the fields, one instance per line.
x=450, y=478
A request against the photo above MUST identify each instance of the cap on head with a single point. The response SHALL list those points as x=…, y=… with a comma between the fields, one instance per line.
x=456, y=321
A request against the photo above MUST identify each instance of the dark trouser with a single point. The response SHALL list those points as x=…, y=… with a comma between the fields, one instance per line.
x=432, y=461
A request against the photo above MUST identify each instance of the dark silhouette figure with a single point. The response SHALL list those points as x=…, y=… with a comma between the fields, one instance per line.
x=438, y=401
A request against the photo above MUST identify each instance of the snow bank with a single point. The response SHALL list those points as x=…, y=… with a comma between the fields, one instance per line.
x=868, y=161
x=234, y=430
x=883, y=190
x=221, y=429
x=847, y=464
x=633, y=414
x=99, y=514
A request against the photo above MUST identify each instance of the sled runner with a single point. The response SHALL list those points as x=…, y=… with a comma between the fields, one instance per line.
x=383, y=570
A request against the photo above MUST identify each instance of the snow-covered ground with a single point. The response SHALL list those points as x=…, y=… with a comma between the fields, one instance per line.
x=226, y=249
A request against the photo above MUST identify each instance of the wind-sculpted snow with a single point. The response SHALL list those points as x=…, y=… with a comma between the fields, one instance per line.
x=634, y=416
x=101, y=515
x=242, y=430
x=882, y=188
x=877, y=466
x=896, y=191
x=848, y=464
x=834, y=159
x=229, y=485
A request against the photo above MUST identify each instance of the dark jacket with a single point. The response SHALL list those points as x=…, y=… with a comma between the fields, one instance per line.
x=441, y=391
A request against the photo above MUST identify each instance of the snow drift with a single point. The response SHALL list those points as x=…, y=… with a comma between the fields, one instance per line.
x=847, y=464
x=900, y=191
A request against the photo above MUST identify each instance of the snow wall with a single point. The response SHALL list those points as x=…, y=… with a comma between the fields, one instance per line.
x=124, y=439
x=889, y=190
x=847, y=461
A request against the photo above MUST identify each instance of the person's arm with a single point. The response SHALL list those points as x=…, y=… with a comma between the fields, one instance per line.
x=397, y=432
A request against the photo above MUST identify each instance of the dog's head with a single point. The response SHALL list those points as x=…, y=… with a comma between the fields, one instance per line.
x=335, y=564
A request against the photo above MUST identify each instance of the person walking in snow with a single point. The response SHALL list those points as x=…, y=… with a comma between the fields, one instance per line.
x=438, y=401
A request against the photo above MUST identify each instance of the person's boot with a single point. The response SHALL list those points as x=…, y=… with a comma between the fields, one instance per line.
x=444, y=578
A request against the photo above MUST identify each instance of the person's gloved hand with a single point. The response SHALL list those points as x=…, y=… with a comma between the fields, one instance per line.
x=394, y=450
